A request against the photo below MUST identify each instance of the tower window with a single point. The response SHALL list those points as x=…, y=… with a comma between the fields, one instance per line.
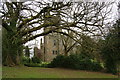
x=53, y=51
x=54, y=42
x=56, y=52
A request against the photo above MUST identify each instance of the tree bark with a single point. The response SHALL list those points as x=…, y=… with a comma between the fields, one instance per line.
x=9, y=61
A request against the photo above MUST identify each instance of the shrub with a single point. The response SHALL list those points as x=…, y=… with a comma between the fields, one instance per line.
x=92, y=66
x=111, y=66
x=26, y=60
x=42, y=64
x=45, y=64
x=58, y=61
x=71, y=61
x=76, y=61
x=36, y=60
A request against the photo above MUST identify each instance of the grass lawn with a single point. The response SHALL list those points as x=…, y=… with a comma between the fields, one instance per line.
x=37, y=72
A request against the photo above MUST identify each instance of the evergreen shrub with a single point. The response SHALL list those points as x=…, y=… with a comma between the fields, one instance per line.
x=36, y=60
x=76, y=61
x=26, y=60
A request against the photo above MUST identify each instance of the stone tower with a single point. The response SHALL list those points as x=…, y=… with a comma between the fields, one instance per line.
x=52, y=45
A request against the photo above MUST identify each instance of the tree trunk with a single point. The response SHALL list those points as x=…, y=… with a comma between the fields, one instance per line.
x=66, y=53
x=12, y=60
x=18, y=60
x=9, y=61
x=11, y=51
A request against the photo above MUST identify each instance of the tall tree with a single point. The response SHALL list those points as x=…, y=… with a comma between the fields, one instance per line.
x=21, y=19
x=111, y=47
x=89, y=47
x=68, y=43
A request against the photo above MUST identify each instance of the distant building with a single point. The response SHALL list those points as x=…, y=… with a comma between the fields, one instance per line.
x=51, y=45
x=37, y=52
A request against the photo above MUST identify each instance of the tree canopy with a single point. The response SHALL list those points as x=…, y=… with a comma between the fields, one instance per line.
x=21, y=19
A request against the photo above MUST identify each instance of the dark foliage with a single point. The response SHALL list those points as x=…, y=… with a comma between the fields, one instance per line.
x=26, y=60
x=111, y=49
x=36, y=60
x=76, y=61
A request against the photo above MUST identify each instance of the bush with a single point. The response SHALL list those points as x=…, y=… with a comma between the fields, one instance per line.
x=36, y=60
x=72, y=61
x=26, y=60
x=76, y=61
x=111, y=66
x=58, y=61
x=92, y=66
x=45, y=64
x=42, y=64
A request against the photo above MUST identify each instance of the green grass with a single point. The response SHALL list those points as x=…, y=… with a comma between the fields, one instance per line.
x=37, y=72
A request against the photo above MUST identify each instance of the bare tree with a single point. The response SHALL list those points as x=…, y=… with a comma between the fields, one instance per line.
x=22, y=19
x=68, y=43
